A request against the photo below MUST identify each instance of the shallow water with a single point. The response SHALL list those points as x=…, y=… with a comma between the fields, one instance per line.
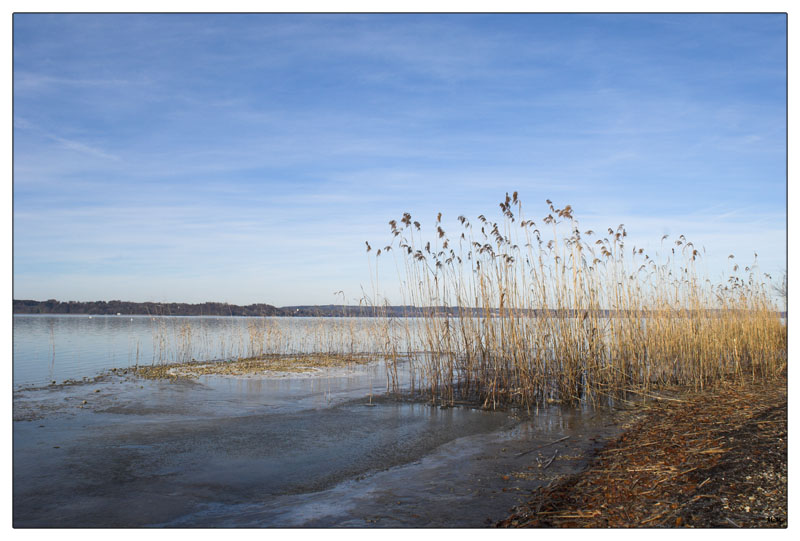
x=325, y=448
x=320, y=450
x=57, y=348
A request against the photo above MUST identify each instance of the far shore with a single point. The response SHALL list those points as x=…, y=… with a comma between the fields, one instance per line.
x=219, y=309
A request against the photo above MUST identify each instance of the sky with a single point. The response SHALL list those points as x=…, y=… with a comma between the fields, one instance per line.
x=247, y=158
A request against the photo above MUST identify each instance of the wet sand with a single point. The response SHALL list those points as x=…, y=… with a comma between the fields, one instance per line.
x=279, y=452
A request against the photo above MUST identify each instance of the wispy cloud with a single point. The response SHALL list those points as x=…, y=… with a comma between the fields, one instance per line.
x=31, y=82
x=67, y=143
x=255, y=154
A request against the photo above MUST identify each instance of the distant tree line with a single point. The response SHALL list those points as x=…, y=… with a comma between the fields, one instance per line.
x=53, y=306
x=114, y=307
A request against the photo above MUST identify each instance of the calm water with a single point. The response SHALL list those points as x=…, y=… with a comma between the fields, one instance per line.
x=51, y=348
x=323, y=449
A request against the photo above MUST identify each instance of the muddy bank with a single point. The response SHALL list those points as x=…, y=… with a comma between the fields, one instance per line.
x=294, y=451
x=716, y=459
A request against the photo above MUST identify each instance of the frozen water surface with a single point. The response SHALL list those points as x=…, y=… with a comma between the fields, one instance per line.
x=319, y=449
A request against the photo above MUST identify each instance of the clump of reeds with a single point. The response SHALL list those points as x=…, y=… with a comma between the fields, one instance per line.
x=520, y=312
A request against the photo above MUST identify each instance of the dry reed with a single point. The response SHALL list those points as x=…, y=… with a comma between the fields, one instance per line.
x=517, y=312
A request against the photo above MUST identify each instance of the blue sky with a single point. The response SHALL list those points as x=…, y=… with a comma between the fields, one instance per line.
x=246, y=158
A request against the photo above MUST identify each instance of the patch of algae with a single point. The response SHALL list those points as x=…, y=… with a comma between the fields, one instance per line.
x=249, y=366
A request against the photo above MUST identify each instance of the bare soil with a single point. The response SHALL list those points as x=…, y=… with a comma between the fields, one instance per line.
x=710, y=459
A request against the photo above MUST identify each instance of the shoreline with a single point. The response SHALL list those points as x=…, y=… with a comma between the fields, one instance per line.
x=666, y=461
x=282, y=453
x=261, y=310
x=710, y=459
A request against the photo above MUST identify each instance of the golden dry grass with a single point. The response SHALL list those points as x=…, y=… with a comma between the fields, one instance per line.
x=520, y=312
x=249, y=366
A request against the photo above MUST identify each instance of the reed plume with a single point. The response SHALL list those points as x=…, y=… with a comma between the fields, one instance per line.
x=516, y=316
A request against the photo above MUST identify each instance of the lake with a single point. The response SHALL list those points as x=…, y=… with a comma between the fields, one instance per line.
x=58, y=348
x=325, y=448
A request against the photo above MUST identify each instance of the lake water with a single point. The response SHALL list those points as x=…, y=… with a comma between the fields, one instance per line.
x=57, y=348
x=317, y=449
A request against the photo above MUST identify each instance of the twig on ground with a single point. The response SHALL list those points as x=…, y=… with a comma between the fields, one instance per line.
x=551, y=460
x=732, y=522
x=542, y=446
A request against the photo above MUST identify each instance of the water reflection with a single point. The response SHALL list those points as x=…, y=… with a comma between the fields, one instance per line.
x=59, y=347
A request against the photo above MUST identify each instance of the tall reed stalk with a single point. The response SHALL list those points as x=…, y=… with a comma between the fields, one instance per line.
x=520, y=312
